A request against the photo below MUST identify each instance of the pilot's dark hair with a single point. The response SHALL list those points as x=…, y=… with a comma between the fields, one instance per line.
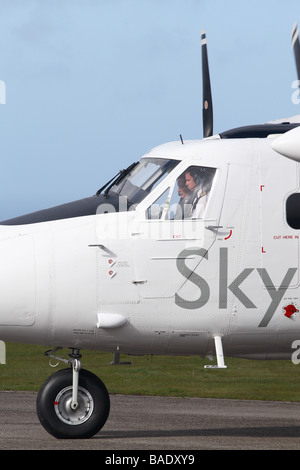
x=197, y=173
x=201, y=174
x=181, y=181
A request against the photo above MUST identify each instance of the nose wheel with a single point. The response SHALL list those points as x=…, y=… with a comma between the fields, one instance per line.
x=73, y=404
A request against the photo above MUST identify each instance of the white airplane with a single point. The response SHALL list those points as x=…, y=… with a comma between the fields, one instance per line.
x=193, y=250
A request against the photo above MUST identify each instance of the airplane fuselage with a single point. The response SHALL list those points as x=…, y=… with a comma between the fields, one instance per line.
x=122, y=281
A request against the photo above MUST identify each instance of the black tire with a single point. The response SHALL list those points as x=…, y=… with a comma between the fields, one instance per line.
x=55, y=413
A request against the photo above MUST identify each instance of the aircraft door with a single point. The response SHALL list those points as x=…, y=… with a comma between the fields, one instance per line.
x=174, y=232
x=115, y=259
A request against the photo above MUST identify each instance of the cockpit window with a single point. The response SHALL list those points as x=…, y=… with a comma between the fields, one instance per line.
x=145, y=176
x=193, y=190
x=189, y=198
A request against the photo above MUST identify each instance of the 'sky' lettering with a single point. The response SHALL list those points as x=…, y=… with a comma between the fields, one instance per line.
x=234, y=287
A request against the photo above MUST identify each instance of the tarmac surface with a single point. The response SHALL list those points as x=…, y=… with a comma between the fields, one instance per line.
x=159, y=423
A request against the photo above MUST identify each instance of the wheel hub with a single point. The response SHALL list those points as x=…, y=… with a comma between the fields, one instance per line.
x=64, y=411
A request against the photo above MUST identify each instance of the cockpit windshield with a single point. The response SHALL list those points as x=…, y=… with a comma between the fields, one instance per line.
x=145, y=176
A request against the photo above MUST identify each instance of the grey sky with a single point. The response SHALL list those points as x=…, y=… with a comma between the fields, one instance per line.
x=93, y=84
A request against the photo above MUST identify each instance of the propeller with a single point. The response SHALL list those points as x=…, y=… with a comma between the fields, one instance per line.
x=296, y=47
x=207, y=110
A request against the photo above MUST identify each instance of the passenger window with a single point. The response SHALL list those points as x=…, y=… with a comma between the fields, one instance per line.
x=293, y=210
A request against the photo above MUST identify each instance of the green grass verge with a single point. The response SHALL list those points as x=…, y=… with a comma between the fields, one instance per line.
x=26, y=368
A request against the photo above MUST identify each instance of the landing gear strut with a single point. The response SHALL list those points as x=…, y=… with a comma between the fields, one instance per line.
x=76, y=366
x=73, y=403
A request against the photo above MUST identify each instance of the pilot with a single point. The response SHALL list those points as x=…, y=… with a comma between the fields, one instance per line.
x=196, y=182
x=184, y=193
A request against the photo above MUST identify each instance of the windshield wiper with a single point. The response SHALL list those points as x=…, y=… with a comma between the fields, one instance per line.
x=116, y=179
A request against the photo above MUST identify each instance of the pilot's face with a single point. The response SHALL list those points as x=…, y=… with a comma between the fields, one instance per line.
x=189, y=181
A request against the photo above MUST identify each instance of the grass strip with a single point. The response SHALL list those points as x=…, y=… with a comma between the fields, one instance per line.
x=27, y=368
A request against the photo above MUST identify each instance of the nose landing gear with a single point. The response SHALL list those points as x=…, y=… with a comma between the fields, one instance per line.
x=73, y=403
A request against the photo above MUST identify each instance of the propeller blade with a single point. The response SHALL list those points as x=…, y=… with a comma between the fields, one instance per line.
x=296, y=47
x=207, y=110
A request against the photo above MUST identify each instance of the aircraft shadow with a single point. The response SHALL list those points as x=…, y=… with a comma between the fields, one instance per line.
x=271, y=431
